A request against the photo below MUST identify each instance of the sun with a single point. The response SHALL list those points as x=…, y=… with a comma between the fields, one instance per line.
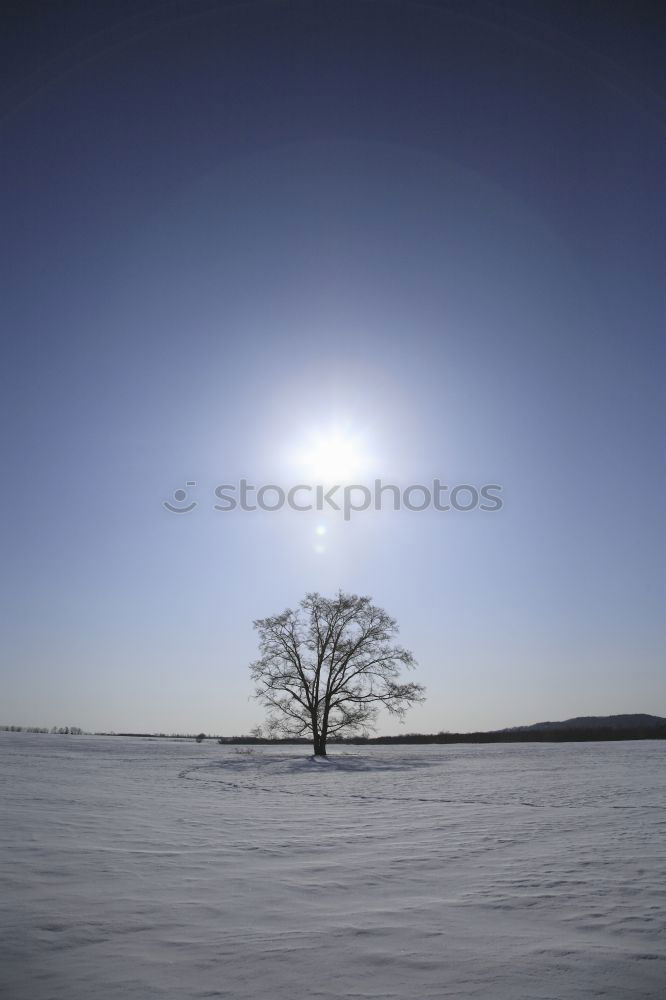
x=332, y=457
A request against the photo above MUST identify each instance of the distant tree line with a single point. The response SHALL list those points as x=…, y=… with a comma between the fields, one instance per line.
x=583, y=735
x=199, y=737
x=601, y=734
x=60, y=730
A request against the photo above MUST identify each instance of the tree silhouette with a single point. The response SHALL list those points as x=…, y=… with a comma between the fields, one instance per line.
x=327, y=667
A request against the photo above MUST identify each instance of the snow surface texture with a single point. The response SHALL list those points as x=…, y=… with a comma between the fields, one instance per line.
x=149, y=869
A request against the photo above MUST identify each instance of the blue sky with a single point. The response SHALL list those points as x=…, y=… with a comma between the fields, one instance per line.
x=438, y=227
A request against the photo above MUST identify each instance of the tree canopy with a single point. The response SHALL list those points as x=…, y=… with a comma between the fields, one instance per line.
x=327, y=667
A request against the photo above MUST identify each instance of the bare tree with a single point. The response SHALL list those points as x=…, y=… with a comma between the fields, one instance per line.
x=327, y=667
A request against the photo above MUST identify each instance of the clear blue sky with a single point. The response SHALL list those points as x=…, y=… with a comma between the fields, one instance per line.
x=438, y=224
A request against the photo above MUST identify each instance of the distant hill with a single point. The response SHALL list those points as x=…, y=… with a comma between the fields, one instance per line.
x=591, y=722
x=584, y=728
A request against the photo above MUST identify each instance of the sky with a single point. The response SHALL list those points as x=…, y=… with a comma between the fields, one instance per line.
x=233, y=233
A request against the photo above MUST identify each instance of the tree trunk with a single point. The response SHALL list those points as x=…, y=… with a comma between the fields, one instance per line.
x=318, y=737
x=323, y=736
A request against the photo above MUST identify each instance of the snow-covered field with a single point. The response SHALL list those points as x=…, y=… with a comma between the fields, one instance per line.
x=150, y=869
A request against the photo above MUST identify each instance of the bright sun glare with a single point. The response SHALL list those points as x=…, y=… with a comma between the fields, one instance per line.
x=332, y=457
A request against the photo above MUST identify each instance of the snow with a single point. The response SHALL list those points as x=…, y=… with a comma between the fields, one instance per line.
x=152, y=869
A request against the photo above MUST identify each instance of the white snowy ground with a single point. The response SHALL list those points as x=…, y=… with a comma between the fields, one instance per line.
x=148, y=869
